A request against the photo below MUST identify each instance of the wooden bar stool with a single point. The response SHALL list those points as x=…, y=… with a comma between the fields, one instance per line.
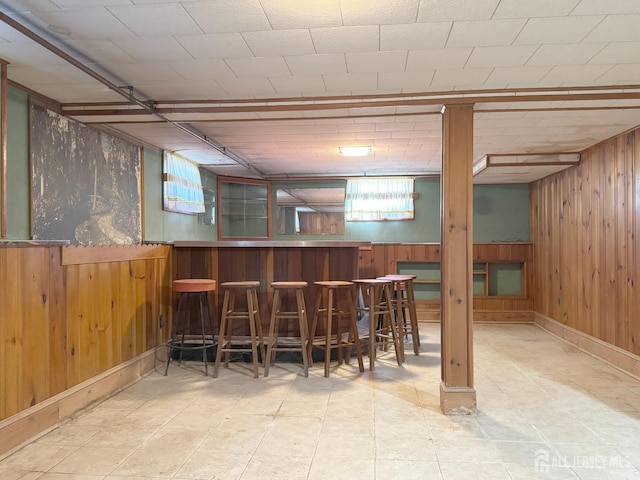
x=376, y=295
x=182, y=338
x=229, y=338
x=288, y=343
x=337, y=335
x=403, y=301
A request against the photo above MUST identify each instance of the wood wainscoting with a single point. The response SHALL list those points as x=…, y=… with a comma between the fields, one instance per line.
x=69, y=316
x=585, y=226
x=381, y=259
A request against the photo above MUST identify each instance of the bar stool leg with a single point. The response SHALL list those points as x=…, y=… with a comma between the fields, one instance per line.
x=413, y=318
x=355, y=338
x=256, y=330
x=314, y=325
x=221, y=334
x=174, y=332
x=274, y=326
x=304, y=329
x=329, y=327
x=202, y=298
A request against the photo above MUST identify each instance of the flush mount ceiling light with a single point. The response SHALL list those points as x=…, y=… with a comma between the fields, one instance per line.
x=355, y=151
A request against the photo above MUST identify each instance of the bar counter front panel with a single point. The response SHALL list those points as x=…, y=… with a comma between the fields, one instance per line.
x=266, y=262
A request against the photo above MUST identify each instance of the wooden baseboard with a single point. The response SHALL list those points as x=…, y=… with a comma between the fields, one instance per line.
x=615, y=356
x=25, y=426
x=481, y=316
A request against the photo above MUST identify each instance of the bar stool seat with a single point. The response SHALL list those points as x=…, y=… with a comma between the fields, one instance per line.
x=337, y=335
x=288, y=343
x=182, y=339
x=404, y=301
x=229, y=341
x=376, y=295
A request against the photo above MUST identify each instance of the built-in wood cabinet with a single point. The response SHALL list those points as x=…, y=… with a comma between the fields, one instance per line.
x=502, y=280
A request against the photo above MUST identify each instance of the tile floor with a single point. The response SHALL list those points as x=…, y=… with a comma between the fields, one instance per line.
x=545, y=410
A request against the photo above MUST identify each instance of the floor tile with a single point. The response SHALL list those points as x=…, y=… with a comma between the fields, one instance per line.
x=546, y=410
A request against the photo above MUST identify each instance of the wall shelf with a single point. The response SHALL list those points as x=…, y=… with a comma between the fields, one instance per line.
x=490, y=279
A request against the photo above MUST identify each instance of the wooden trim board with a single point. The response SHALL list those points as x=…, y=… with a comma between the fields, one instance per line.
x=29, y=424
x=615, y=356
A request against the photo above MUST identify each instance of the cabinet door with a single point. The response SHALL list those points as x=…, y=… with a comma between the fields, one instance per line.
x=244, y=209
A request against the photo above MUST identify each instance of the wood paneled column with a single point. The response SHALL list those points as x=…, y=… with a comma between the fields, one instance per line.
x=457, y=394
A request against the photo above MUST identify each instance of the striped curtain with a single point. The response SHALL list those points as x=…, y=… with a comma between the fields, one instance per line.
x=182, y=184
x=381, y=198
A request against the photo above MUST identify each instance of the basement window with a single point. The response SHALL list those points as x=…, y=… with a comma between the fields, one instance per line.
x=379, y=198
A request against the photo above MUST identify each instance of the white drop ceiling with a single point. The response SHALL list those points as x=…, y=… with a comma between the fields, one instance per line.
x=273, y=88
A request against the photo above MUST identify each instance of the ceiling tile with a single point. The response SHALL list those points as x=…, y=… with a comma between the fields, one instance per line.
x=144, y=71
x=346, y=39
x=246, y=87
x=520, y=75
x=484, y=33
x=428, y=60
x=376, y=62
x=452, y=77
x=618, y=52
x=628, y=72
x=156, y=20
x=414, y=35
x=187, y=90
x=439, y=11
x=64, y=4
x=298, y=84
x=500, y=56
x=539, y=8
x=307, y=14
x=351, y=81
x=279, y=42
x=150, y=48
x=616, y=28
x=406, y=81
x=557, y=30
x=382, y=12
x=228, y=16
x=576, y=73
x=565, y=54
x=215, y=45
x=600, y=7
x=23, y=6
x=88, y=23
x=16, y=53
x=202, y=69
x=69, y=92
x=316, y=64
x=258, y=66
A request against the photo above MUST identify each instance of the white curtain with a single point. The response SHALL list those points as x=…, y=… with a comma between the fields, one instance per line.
x=379, y=198
x=182, y=185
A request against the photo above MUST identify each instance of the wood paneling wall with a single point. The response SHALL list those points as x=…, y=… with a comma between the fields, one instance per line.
x=585, y=223
x=321, y=223
x=63, y=322
x=381, y=259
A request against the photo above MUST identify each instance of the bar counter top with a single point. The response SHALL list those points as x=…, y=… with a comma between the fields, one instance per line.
x=270, y=244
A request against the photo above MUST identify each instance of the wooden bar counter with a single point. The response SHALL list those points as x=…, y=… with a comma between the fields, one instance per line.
x=266, y=262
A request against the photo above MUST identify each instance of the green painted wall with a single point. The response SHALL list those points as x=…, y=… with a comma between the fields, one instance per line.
x=501, y=214
x=159, y=226
x=18, y=194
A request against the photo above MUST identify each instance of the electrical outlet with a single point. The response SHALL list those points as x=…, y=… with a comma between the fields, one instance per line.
x=160, y=321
